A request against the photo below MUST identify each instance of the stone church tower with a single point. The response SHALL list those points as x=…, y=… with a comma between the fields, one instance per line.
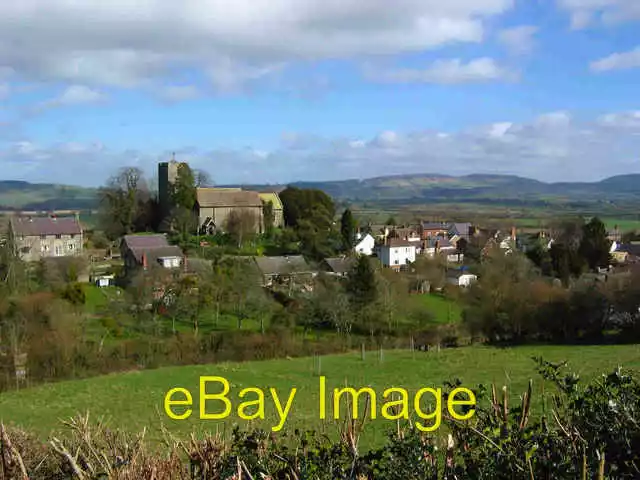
x=167, y=174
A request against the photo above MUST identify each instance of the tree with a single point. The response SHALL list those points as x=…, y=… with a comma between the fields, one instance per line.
x=391, y=221
x=347, y=229
x=268, y=216
x=184, y=222
x=362, y=285
x=299, y=204
x=184, y=191
x=241, y=225
x=122, y=202
x=594, y=245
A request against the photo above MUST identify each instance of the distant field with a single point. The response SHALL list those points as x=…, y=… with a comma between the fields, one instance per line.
x=134, y=400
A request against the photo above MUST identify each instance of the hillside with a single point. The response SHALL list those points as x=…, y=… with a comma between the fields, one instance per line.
x=478, y=189
x=17, y=195
x=134, y=400
x=623, y=190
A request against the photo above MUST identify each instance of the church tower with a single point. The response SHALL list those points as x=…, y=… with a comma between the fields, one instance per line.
x=167, y=174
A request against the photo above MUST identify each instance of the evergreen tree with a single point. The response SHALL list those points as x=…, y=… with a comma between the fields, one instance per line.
x=268, y=217
x=347, y=229
x=595, y=245
x=362, y=283
x=184, y=193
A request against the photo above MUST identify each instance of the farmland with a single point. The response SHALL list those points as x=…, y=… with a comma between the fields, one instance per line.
x=134, y=400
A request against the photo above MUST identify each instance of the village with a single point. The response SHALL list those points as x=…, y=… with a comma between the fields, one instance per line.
x=395, y=247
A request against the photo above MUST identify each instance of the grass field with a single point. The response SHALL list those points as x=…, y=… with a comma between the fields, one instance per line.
x=134, y=400
x=443, y=310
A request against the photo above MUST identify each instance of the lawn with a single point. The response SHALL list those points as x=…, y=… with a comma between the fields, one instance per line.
x=443, y=309
x=134, y=400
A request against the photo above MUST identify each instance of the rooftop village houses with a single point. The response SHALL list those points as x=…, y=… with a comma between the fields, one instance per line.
x=46, y=237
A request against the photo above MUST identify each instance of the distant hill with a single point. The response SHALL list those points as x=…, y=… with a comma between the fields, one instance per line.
x=476, y=189
x=400, y=189
x=17, y=195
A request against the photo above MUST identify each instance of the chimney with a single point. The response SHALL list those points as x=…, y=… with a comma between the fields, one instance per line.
x=144, y=261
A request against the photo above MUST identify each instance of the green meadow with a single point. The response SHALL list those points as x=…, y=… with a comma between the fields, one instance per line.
x=135, y=400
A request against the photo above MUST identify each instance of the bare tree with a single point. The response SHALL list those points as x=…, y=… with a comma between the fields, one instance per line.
x=122, y=201
x=241, y=225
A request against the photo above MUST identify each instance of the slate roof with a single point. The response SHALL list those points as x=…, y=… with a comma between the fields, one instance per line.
x=435, y=226
x=282, y=265
x=340, y=264
x=214, y=197
x=35, y=226
x=155, y=246
x=399, y=242
x=155, y=240
x=444, y=242
x=630, y=248
x=461, y=229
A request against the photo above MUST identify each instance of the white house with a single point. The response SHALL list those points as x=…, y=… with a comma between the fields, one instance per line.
x=397, y=253
x=172, y=261
x=365, y=244
x=461, y=278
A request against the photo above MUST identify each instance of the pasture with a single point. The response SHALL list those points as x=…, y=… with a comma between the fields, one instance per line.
x=134, y=400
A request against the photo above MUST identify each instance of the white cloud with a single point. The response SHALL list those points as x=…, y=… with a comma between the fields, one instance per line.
x=453, y=71
x=585, y=13
x=618, y=61
x=82, y=42
x=79, y=94
x=518, y=40
x=178, y=93
x=552, y=147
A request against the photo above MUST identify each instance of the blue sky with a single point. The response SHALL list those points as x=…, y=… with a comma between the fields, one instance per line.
x=283, y=90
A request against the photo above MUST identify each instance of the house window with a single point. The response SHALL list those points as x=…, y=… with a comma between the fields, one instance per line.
x=59, y=251
x=70, y=246
x=43, y=237
x=396, y=262
x=73, y=235
x=58, y=236
x=44, y=248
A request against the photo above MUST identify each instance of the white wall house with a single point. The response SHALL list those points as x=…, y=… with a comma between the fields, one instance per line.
x=365, y=244
x=170, y=262
x=461, y=278
x=397, y=253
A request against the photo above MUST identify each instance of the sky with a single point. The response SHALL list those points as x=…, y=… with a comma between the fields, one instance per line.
x=275, y=91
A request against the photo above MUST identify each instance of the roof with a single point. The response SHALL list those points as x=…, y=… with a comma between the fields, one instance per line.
x=148, y=241
x=398, y=242
x=630, y=248
x=155, y=246
x=272, y=197
x=154, y=254
x=404, y=232
x=435, y=226
x=443, y=242
x=215, y=197
x=32, y=226
x=460, y=228
x=340, y=264
x=282, y=265
x=456, y=273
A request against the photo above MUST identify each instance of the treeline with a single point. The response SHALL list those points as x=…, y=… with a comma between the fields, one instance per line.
x=588, y=431
x=515, y=303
